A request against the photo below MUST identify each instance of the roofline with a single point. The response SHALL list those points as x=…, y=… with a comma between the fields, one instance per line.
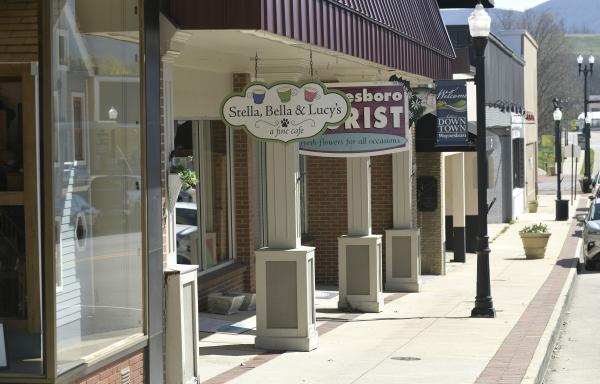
x=496, y=40
x=523, y=32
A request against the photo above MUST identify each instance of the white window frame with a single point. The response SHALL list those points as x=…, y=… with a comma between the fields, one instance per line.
x=111, y=79
x=64, y=35
x=59, y=255
x=198, y=125
x=84, y=127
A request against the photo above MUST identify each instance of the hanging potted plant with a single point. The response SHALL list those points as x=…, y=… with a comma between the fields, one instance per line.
x=535, y=238
x=183, y=179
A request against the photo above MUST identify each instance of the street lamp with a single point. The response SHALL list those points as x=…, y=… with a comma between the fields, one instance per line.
x=562, y=206
x=587, y=69
x=479, y=27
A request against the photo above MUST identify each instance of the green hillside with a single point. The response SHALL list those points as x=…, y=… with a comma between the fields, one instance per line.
x=584, y=44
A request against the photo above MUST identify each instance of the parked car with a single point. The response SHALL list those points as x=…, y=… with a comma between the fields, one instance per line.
x=186, y=230
x=595, y=184
x=591, y=235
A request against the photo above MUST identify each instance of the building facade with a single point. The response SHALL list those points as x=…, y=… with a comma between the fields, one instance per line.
x=80, y=202
x=118, y=175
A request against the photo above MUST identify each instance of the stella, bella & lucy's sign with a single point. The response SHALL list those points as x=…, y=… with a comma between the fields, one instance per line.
x=285, y=111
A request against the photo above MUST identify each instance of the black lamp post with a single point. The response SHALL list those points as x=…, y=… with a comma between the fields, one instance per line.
x=562, y=206
x=479, y=26
x=586, y=70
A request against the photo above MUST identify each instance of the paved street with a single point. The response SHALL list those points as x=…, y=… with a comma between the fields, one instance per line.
x=577, y=354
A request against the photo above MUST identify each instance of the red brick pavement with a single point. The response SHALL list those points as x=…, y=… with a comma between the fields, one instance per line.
x=510, y=363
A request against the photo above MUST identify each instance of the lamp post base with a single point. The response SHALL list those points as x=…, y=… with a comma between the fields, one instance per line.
x=484, y=309
x=586, y=185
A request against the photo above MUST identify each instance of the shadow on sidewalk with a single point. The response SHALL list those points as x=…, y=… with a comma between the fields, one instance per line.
x=342, y=320
x=229, y=350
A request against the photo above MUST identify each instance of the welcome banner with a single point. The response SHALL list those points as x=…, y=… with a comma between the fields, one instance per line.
x=451, y=106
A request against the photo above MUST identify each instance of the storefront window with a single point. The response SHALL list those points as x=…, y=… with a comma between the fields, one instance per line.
x=21, y=330
x=203, y=209
x=97, y=177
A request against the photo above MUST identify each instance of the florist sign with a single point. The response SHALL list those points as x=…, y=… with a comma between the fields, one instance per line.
x=378, y=123
x=285, y=111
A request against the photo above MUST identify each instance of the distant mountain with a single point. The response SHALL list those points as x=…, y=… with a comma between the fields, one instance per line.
x=578, y=16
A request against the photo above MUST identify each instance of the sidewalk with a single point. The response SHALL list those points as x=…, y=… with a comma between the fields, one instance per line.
x=425, y=337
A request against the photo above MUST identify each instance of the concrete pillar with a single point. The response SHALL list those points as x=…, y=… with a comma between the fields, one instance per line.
x=403, y=262
x=285, y=270
x=470, y=168
x=458, y=206
x=359, y=253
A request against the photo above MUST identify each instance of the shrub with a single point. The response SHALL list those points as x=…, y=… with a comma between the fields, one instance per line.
x=535, y=228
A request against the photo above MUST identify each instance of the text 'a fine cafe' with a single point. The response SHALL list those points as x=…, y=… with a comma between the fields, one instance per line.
x=377, y=124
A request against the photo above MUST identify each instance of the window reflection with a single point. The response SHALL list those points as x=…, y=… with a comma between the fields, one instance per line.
x=97, y=178
x=202, y=148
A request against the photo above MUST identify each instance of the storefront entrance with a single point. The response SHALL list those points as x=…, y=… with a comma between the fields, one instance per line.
x=20, y=309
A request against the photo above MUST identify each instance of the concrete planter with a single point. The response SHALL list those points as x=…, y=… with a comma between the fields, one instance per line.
x=535, y=244
x=532, y=206
x=225, y=303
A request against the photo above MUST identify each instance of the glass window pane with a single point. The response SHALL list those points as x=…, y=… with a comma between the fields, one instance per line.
x=97, y=178
x=20, y=293
x=215, y=177
x=202, y=155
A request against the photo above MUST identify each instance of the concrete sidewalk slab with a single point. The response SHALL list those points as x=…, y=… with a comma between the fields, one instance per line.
x=425, y=337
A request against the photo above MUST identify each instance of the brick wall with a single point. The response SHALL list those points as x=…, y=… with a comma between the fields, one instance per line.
x=228, y=279
x=244, y=196
x=111, y=374
x=432, y=223
x=327, y=213
x=18, y=30
x=328, y=209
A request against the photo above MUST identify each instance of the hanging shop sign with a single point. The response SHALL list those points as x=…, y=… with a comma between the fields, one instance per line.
x=452, y=120
x=378, y=123
x=285, y=111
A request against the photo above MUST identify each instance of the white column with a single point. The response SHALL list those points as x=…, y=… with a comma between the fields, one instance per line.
x=402, y=256
x=458, y=205
x=285, y=270
x=402, y=172
x=471, y=210
x=359, y=196
x=283, y=195
x=359, y=253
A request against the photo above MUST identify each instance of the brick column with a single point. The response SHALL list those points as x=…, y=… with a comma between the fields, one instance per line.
x=432, y=223
x=245, y=188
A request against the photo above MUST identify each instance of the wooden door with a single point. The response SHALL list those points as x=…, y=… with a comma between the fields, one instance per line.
x=19, y=259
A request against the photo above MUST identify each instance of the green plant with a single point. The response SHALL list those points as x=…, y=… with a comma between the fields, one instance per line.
x=535, y=228
x=189, y=179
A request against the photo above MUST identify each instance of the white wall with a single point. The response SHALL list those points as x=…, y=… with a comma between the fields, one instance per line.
x=198, y=94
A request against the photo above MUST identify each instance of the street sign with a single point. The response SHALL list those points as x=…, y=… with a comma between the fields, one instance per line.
x=285, y=111
x=378, y=123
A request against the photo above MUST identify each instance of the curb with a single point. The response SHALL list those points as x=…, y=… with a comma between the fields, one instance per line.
x=542, y=356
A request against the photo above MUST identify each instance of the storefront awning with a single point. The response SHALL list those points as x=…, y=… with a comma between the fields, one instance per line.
x=406, y=35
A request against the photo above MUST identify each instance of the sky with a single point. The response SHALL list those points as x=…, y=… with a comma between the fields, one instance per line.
x=518, y=5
